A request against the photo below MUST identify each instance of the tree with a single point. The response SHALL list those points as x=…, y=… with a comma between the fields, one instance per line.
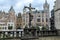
x=33, y=27
x=37, y=28
x=53, y=28
x=26, y=27
x=0, y=27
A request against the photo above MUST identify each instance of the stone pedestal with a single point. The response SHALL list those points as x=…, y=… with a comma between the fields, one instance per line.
x=30, y=34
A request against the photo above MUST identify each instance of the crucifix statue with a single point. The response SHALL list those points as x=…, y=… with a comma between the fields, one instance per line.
x=30, y=9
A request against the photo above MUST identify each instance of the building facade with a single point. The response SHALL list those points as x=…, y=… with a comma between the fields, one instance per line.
x=19, y=21
x=40, y=17
x=7, y=20
x=57, y=14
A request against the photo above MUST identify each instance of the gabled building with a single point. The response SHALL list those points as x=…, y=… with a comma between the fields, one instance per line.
x=7, y=20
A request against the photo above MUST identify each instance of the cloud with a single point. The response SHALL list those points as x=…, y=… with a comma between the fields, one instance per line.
x=19, y=4
x=51, y=3
x=28, y=1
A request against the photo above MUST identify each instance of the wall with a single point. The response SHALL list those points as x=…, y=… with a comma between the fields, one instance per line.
x=50, y=38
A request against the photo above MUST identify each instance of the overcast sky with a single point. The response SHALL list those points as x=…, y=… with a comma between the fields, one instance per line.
x=19, y=4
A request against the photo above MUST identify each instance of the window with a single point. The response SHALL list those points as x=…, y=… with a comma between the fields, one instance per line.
x=2, y=27
x=5, y=27
x=10, y=20
x=10, y=27
x=47, y=25
x=5, y=16
x=43, y=25
x=38, y=20
x=46, y=20
x=39, y=16
x=42, y=19
x=8, y=24
x=42, y=14
x=11, y=24
x=26, y=16
x=38, y=24
x=59, y=16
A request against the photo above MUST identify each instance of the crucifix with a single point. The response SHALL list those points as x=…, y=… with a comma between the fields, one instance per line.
x=30, y=9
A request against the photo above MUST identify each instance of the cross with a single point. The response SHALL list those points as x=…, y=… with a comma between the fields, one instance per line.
x=30, y=9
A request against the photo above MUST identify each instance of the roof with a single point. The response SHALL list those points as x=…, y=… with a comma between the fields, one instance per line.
x=11, y=9
x=36, y=11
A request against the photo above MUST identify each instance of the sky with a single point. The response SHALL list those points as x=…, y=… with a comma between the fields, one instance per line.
x=19, y=4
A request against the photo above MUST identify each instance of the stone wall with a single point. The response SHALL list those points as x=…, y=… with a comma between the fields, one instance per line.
x=50, y=38
x=10, y=39
x=42, y=38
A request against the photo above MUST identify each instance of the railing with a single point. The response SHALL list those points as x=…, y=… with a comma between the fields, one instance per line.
x=46, y=33
x=11, y=34
x=20, y=34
